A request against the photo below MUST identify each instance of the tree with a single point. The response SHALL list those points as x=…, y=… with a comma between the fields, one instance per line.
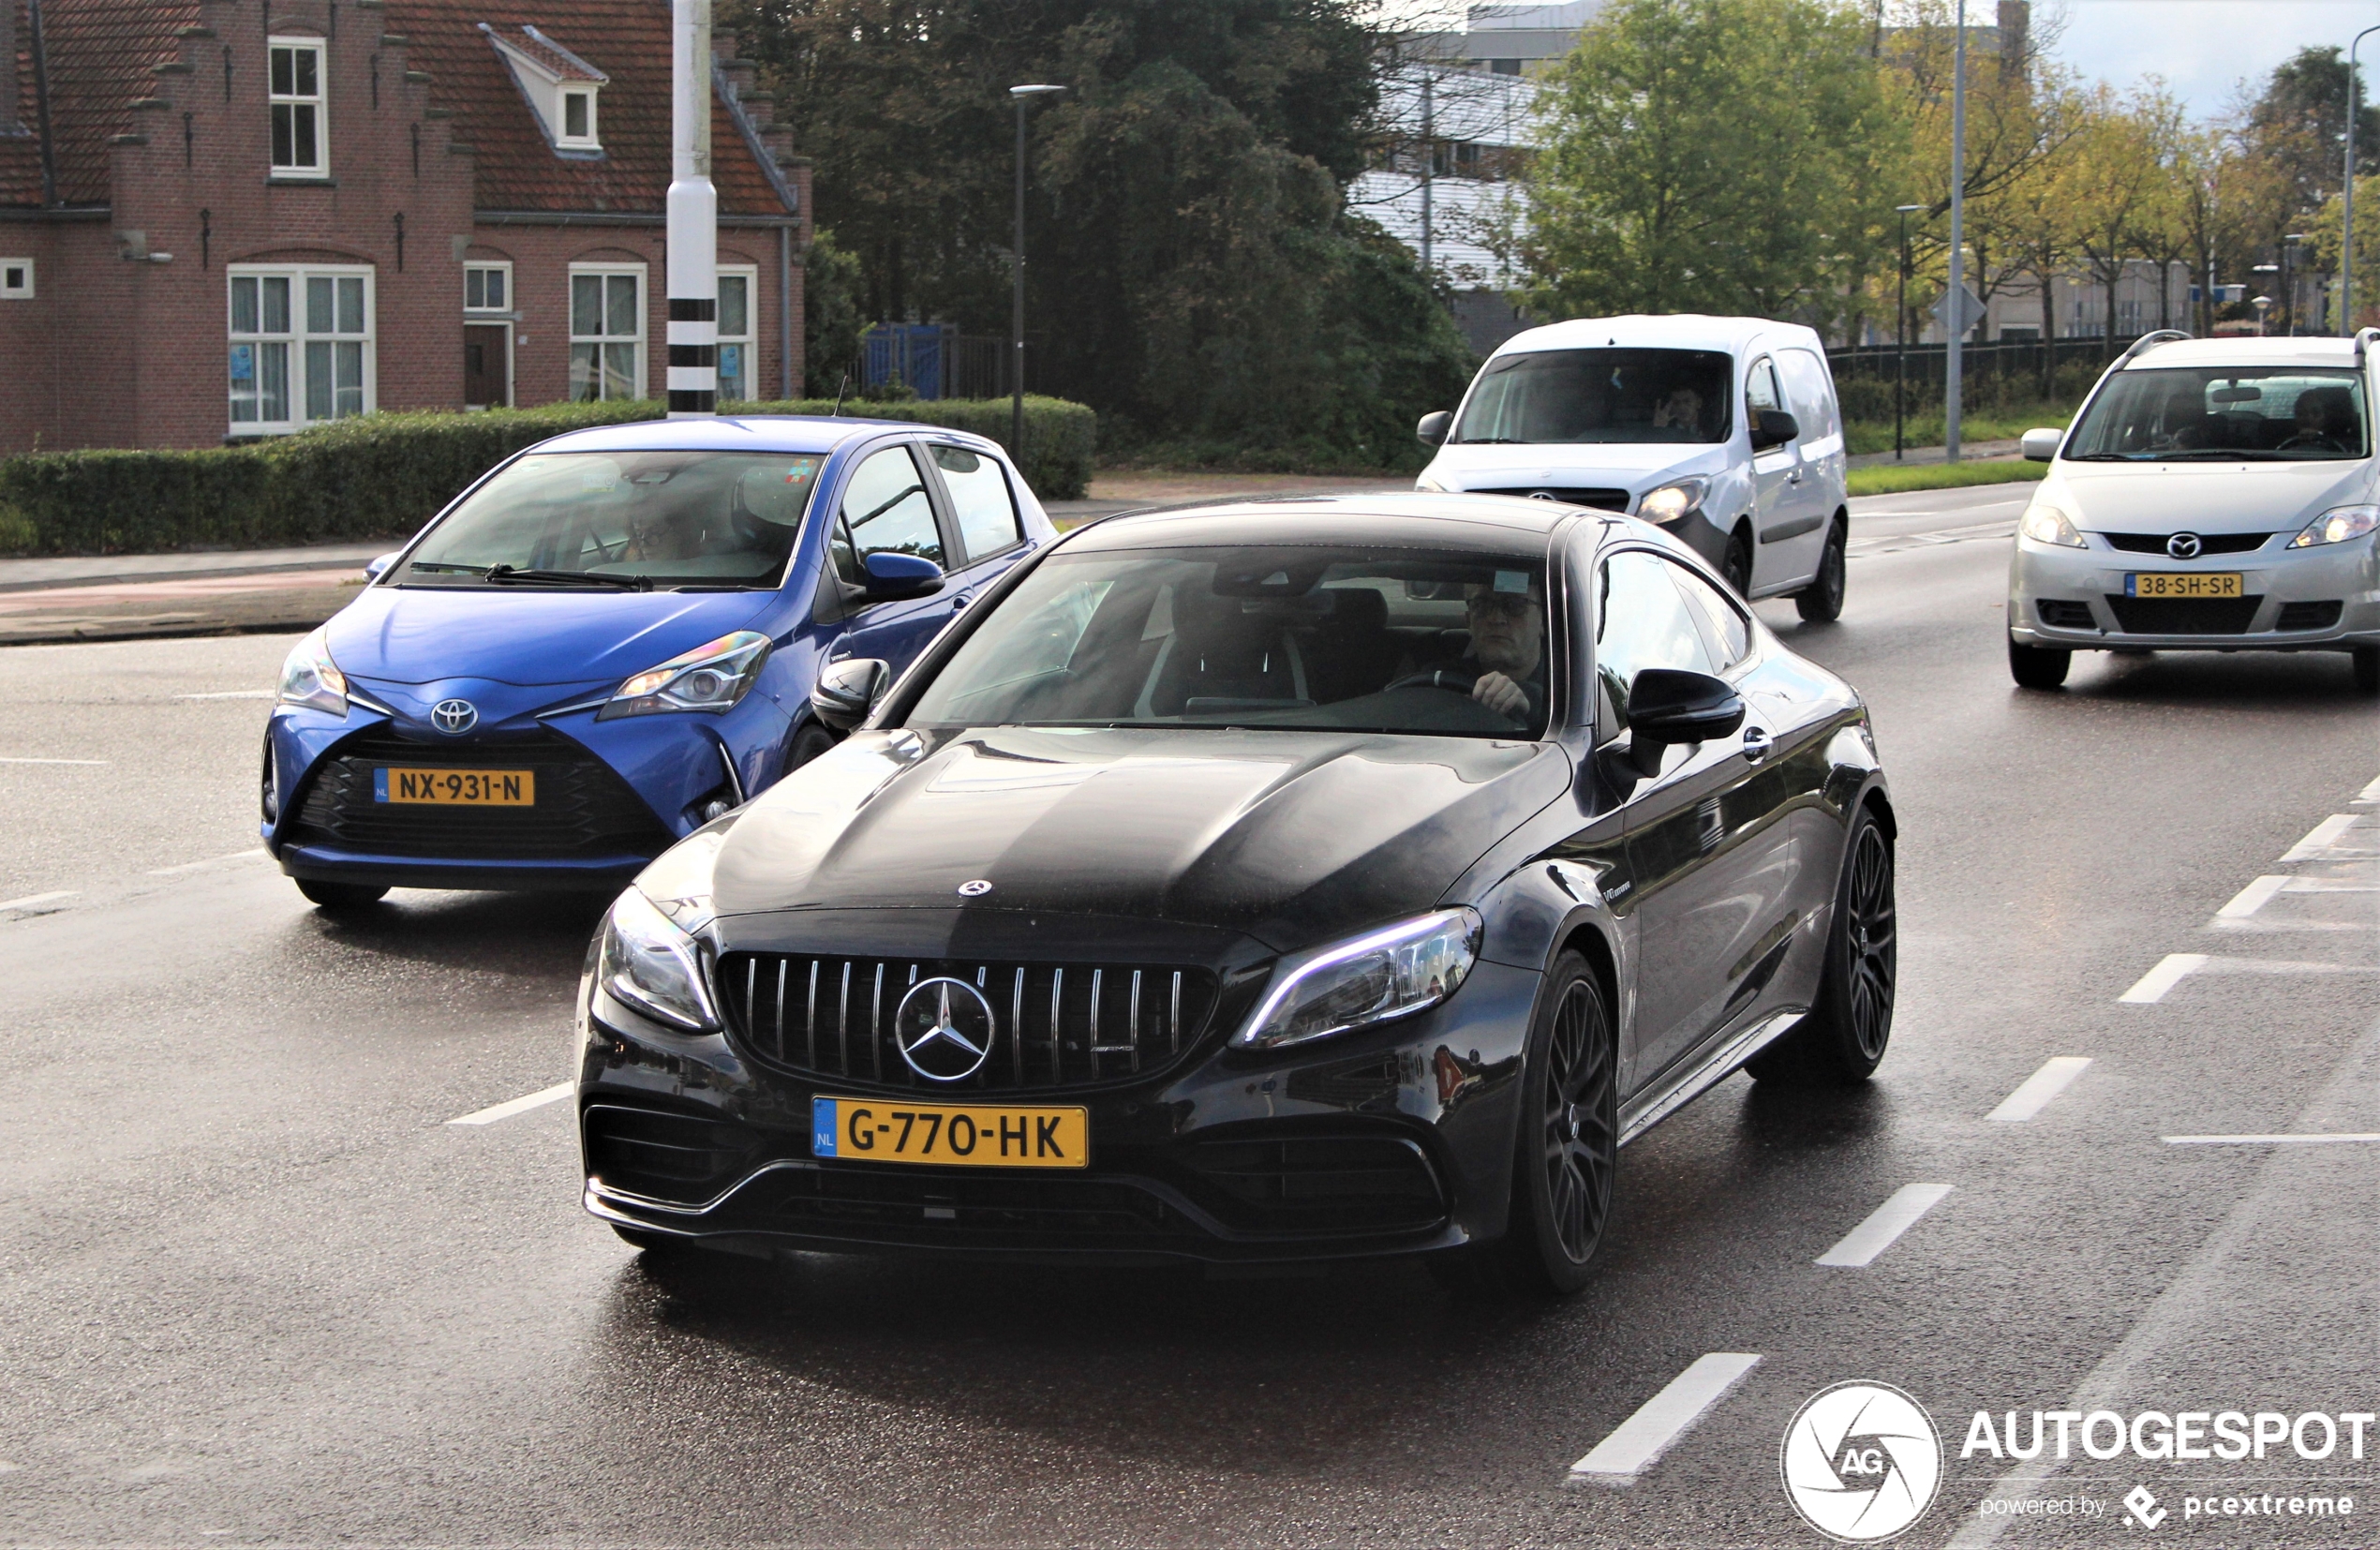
x=2299, y=124
x=1719, y=156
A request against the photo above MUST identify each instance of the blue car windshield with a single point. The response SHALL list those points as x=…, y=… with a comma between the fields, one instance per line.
x=624, y=518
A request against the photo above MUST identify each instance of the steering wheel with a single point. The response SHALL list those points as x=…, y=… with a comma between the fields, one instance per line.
x=1454, y=680
x=2319, y=441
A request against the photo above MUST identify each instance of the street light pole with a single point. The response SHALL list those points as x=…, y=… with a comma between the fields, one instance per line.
x=1900, y=329
x=2347, y=236
x=2289, y=276
x=1022, y=95
x=1955, y=359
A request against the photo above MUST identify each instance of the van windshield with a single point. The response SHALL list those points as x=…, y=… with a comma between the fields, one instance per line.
x=2226, y=414
x=1555, y=397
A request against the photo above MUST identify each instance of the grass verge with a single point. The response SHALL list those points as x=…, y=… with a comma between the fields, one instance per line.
x=1943, y=476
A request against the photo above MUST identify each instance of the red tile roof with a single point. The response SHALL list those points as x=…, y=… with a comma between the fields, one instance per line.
x=99, y=52
x=558, y=61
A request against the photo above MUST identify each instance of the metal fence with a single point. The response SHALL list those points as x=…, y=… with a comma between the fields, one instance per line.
x=2009, y=371
x=936, y=361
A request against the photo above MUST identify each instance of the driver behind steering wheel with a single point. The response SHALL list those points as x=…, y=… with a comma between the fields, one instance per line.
x=1507, y=643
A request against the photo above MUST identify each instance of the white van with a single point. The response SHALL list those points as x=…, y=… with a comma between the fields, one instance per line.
x=1724, y=431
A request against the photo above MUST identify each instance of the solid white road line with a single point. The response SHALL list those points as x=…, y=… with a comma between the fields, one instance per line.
x=99, y=764
x=1895, y=1217
x=232, y=694
x=2170, y=972
x=2320, y=838
x=2248, y=901
x=2038, y=1089
x=32, y=901
x=2271, y=1141
x=210, y=862
x=510, y=1106
x=1644, y=1436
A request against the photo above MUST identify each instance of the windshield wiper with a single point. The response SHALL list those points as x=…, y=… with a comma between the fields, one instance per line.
x=443, y=565
x=1492, y=442
x=579, y=578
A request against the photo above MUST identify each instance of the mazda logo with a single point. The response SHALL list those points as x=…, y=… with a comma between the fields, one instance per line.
x=943, y=1029
x=455, y=717
x=2184, y=546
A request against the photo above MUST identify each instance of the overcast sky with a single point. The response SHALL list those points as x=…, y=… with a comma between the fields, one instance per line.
x=2202, y=48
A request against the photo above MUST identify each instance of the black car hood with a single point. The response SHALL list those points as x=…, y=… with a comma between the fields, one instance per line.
x=1292, y=837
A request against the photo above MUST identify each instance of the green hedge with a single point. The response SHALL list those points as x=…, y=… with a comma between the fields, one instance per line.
x=384, y=475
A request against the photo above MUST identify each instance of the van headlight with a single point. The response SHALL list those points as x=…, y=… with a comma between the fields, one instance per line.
x=713, y=677
x=309, y=678
x=2046, y=524
x=2336, y=526
x=647, y=964
x=1367, y=979
x=1679, y=499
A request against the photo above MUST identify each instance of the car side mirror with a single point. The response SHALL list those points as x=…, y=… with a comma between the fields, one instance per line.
x=1772, y=427
x=1671, y=705
x=893, y=576
x=2040, y=445
x=1433, y=426
x=374, y=569
x=848, y=690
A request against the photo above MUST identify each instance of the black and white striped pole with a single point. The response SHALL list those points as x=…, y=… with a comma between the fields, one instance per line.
x=693, y=219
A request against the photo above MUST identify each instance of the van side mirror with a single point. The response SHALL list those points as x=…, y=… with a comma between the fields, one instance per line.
x=1433, y=426
x=374, y=569
x=1671, y=705
x=847, y=691
x=2041, y=444
x=893, y=576
x=1772, y=427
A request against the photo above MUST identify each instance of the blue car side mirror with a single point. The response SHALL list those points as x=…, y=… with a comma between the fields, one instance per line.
x=374, y=569
x=892, y=576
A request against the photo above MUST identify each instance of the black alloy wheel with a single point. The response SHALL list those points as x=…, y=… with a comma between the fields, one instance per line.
x=1843, y=1040
x=336, y=898
x=1821, y=601
x=2367, y=661
x=2037, y=666
x=1737, y=567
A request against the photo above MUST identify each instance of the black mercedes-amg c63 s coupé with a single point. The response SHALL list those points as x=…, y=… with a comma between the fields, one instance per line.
x=1276, y=881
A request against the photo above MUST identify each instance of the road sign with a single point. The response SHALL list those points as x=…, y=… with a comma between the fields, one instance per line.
x=1971, y=312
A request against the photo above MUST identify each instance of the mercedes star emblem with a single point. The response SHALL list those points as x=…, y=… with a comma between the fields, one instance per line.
x=2184, y=546
x=943, y=1029
x=975, y=889
x=455, y=717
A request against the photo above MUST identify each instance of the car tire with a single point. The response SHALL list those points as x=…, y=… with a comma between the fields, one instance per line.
x=1566, y=1149
x=810, y=742
x=2038, y=666
x=1842, y=1039
x=2367, y=662
x=335, y=898
x=1821, y=601
x=1737, y=565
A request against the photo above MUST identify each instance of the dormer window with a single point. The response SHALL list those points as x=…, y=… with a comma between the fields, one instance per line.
x=578, y=122
x=559, y=87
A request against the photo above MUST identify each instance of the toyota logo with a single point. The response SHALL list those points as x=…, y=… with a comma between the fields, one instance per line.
x=2184, y=546
x=943, y=1029
x=1543, y=495
x=455, y=717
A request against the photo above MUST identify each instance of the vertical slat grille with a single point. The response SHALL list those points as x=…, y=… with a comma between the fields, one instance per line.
x=1054, y=1025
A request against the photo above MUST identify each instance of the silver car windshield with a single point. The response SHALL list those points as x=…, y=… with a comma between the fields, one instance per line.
x=624, y=520
x=1318, y=638
x=1633, y=396
x=2226, y=414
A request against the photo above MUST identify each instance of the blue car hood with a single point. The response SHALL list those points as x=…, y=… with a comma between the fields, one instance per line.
x=425, y=634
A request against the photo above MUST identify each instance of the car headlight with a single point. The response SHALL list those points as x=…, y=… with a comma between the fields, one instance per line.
x=1372, y=978
x=649, y=965
x=2046, y=524
x=714, y=676
x=309, y=678
x=2336, y=526
x=1672, y=501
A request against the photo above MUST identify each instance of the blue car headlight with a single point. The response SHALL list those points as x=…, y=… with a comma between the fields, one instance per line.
x=1380, y=976
x=647, y=964
x=712, y=677
x=309, y=678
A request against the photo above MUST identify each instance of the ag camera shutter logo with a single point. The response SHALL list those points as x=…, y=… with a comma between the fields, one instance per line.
x=1861, y=1462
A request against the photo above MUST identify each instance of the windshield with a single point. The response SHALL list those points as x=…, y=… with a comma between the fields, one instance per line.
x=1621, y=395
x=2225, y=414
x=1315, y=637
x=624, y=518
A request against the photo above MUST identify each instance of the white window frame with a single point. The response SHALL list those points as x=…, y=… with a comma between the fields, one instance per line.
x=319, y=101
x=299, y=362
x=23, y=289
x=501, y=266
x=563, y=139
x=748, y=341
x=638, y=271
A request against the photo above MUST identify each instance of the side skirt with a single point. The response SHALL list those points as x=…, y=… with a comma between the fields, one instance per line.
x=1649, y=1108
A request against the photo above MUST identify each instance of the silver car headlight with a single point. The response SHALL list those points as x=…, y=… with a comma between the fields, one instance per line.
x=2046, y=524
x=1368, y=979
x=713, y=677
x=1678, y=498
x=2336, y=526
x=649, y=963
x=309, y=678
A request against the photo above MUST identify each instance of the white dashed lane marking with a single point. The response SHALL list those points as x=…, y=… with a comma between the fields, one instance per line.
x=36, y=901
x=232, y=694
x=2370, y=793
x=2176, y=967
x=510, y=1106
x=2248, y=901
x=2170, y=970
x=2053, y=1078
x=1637, y=1443
x=210, y=862
x=2331, y=1139
x=87, y=764
x=1895, y=1217
x=2322, y=842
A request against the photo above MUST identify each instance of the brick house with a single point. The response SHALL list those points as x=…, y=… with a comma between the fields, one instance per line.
x=227, y=218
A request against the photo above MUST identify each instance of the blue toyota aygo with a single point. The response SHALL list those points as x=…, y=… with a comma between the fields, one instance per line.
x=611, y=639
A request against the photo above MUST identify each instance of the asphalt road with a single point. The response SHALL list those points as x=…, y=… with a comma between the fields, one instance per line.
x=256, y=1287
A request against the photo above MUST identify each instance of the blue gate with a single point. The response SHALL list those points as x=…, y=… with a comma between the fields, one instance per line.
x=909, y=354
